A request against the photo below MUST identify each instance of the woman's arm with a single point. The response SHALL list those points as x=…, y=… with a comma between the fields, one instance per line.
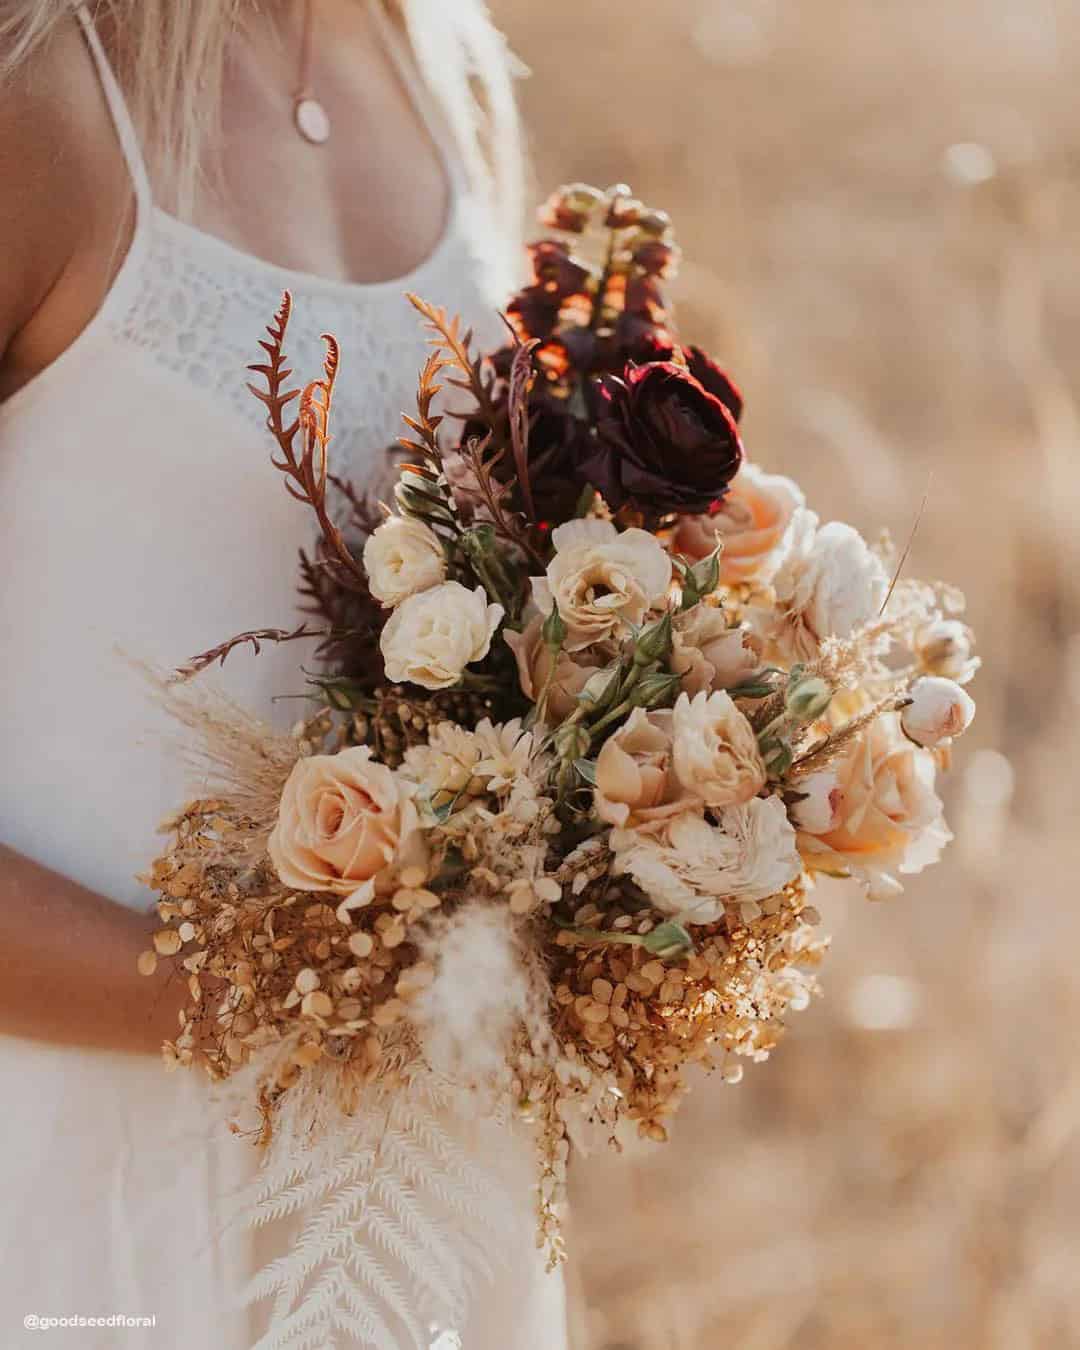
x=67, y=965
x=67, y=956
x=66, y=205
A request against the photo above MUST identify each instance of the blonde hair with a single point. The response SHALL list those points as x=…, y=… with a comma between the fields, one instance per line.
x=171, y=53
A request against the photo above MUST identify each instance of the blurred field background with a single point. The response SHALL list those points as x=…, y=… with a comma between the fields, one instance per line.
x=879, y=205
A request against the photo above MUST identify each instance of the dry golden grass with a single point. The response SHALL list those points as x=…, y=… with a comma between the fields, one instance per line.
x=893, y=322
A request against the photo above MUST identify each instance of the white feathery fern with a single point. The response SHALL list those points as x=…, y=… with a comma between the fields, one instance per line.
x=393, y=1226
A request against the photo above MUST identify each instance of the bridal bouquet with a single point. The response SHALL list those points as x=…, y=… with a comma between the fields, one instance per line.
x=600, y=698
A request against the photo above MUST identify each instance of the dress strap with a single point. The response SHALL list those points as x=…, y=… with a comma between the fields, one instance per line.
x=118, y=110
x=423, y=100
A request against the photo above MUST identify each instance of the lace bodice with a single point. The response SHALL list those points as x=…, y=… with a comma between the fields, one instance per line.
x=196, y=307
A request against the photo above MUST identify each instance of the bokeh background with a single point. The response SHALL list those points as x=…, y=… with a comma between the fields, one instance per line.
x=880, y=210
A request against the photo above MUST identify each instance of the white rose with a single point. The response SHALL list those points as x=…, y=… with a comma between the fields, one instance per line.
x=403, y=556
x=601, y=578
x=715, y=753
x=689, y=868
x=829, y=585
x=939, y=709
x=431, y=637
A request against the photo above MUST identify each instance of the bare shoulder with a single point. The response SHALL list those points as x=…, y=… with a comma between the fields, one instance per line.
x=65, y=197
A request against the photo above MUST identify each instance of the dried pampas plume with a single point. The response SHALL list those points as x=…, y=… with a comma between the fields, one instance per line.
x=485, y=989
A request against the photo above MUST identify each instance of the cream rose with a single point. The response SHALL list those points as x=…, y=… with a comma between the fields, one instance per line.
x=342, y=819
x=432, y=636
x=688, y=867
x=601, y=578
x=752, y=522
x=829, y=585
x=884, y=812
x=534, y=663
x=716, y=753
x=634, y=779
x=708, y=654
x=401, y=557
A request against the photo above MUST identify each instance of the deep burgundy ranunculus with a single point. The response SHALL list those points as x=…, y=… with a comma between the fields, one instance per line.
x=718, y=382
x=663, y=444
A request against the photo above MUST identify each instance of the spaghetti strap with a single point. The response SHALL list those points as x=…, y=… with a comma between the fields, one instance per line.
x=422, y=99
x=118, y=110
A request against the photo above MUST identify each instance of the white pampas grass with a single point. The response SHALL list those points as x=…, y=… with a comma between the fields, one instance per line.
x=485, y=991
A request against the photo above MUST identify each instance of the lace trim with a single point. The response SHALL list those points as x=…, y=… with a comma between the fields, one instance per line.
x=199, y=314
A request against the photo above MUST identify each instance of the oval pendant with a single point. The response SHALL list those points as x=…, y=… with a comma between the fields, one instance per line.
x=311, y=120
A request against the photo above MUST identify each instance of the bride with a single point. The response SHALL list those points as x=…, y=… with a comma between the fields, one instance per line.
x=168, y=168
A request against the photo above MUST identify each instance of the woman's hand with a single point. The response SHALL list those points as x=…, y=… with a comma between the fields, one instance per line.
x=68, y=965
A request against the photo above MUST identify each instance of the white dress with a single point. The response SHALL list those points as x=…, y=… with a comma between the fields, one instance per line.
x=139, y=514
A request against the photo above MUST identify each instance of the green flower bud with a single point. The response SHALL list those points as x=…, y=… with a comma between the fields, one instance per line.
x=554, y=629
x=654, y=641
x=654, y=690
x=807, y=699
x=600, y=688
x=669, y=941
x=572, y=741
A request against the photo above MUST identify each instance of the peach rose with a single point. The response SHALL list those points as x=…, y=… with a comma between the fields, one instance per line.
x=716, y=753
x=635, y=783
x=708, y=654
x=534, y=660
x=752, y=522
x=342, y=820
x=883, y=815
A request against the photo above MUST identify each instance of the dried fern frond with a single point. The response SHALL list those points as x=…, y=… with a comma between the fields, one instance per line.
x=307, y=472
x=255, y=637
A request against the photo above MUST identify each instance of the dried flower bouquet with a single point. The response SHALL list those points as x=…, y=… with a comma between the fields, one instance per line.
x=601, y=697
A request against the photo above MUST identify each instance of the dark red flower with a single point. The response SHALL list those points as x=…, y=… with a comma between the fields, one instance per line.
x=705, y=370
x=663, y=444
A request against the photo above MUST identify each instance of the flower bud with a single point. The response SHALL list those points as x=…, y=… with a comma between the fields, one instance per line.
x=654, y=690
x=572, y=741
x=654, y=641
x=818, y=808
x=939, y=709
x=599, y=689
x=554, y=629
x=668, y=941
x=944, y=648
x=807, y=699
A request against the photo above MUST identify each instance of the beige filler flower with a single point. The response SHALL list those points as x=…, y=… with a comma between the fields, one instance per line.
x=829, y=585
x=601, y=578
x=534, y=663
x=401, y=557
x=752, y=523
x=716, y=752
x=688, y=867
x=431, y=637
x=635, y=784
x=879, y=810
x=710, y=655
x=342, y=820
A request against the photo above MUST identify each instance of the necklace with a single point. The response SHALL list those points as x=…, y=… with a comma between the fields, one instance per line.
x=309, y=115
